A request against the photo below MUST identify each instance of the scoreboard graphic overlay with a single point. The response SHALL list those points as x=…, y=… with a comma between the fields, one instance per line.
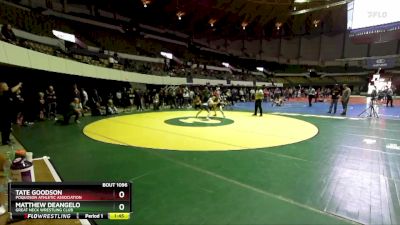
x=70, y=200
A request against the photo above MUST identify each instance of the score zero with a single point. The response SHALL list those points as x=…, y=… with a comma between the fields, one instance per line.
x=114, y=185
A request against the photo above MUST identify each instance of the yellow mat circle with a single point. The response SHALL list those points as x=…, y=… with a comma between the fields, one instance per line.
x=241, y=131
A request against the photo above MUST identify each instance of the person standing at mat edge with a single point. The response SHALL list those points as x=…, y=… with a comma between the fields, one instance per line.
x=311, y=95
x=335, y=97
x=259, y=96
x=389, y=97
x=345, y=98
x=6, y=112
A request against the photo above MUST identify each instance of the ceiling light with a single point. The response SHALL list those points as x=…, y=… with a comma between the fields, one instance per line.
x=334, y=4
x=316, y=23
x=179, y=14
x=167, y=55
x=278, y=25
x=244, y=25
x=64, y=36
x=145, y=3
x=212, y=22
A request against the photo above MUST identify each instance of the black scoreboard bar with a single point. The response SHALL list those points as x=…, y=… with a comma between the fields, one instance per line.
x=70, y=200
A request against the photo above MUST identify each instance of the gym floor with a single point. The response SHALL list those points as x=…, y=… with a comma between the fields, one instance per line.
x=294, y=165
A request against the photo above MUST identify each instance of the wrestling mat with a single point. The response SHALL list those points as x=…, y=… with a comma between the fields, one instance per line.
x=182, y=131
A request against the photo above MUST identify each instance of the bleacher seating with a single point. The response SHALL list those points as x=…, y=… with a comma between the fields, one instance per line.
x=350, y=79
x=108, y=39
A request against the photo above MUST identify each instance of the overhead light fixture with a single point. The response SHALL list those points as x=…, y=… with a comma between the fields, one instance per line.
x=316, y=23
x=261, y=69
x=278, y=25
x=64, y=36
x=226, y=64
x=301, y=1
x=167, y=55
x=179, y=14
x=145, y=3
x=244, y=25
x=304, y=11
x=212, y=22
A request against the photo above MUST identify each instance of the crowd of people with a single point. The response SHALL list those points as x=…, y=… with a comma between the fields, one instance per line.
x=81, y=102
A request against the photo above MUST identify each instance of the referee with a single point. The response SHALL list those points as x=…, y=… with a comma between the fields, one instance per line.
x=259, y=98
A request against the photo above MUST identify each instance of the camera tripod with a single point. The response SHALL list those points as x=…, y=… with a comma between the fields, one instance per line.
x=370, y=111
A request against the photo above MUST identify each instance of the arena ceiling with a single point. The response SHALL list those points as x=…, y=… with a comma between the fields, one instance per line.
x=261, y=18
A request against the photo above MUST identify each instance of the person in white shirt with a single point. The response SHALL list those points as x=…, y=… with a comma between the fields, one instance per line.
x=259, y=96
x=186, y=95
x=252, y=94
x=85, y=98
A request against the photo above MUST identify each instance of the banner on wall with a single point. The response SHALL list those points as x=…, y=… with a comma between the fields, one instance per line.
x=383, y=63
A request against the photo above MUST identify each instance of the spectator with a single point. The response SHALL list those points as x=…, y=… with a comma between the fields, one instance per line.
x=138, y=100
x=51, y=100
x=110, y=108
x=75, y=92
x=8, y=34
x=345, y=98
x=317, y=95
x=118, y=98
x=277, y=93
x=156, y=102
x=6, y=112
x=191, y=96
x=85, y=99
x=252, y=94
x=241, y=94
x=389, y=97
x=19, y=107
x=42, y=106
x=74, y=109
x=126, y=104
x=95, y=104
x=131, y=96
x=186, y=95
x=266, y=95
